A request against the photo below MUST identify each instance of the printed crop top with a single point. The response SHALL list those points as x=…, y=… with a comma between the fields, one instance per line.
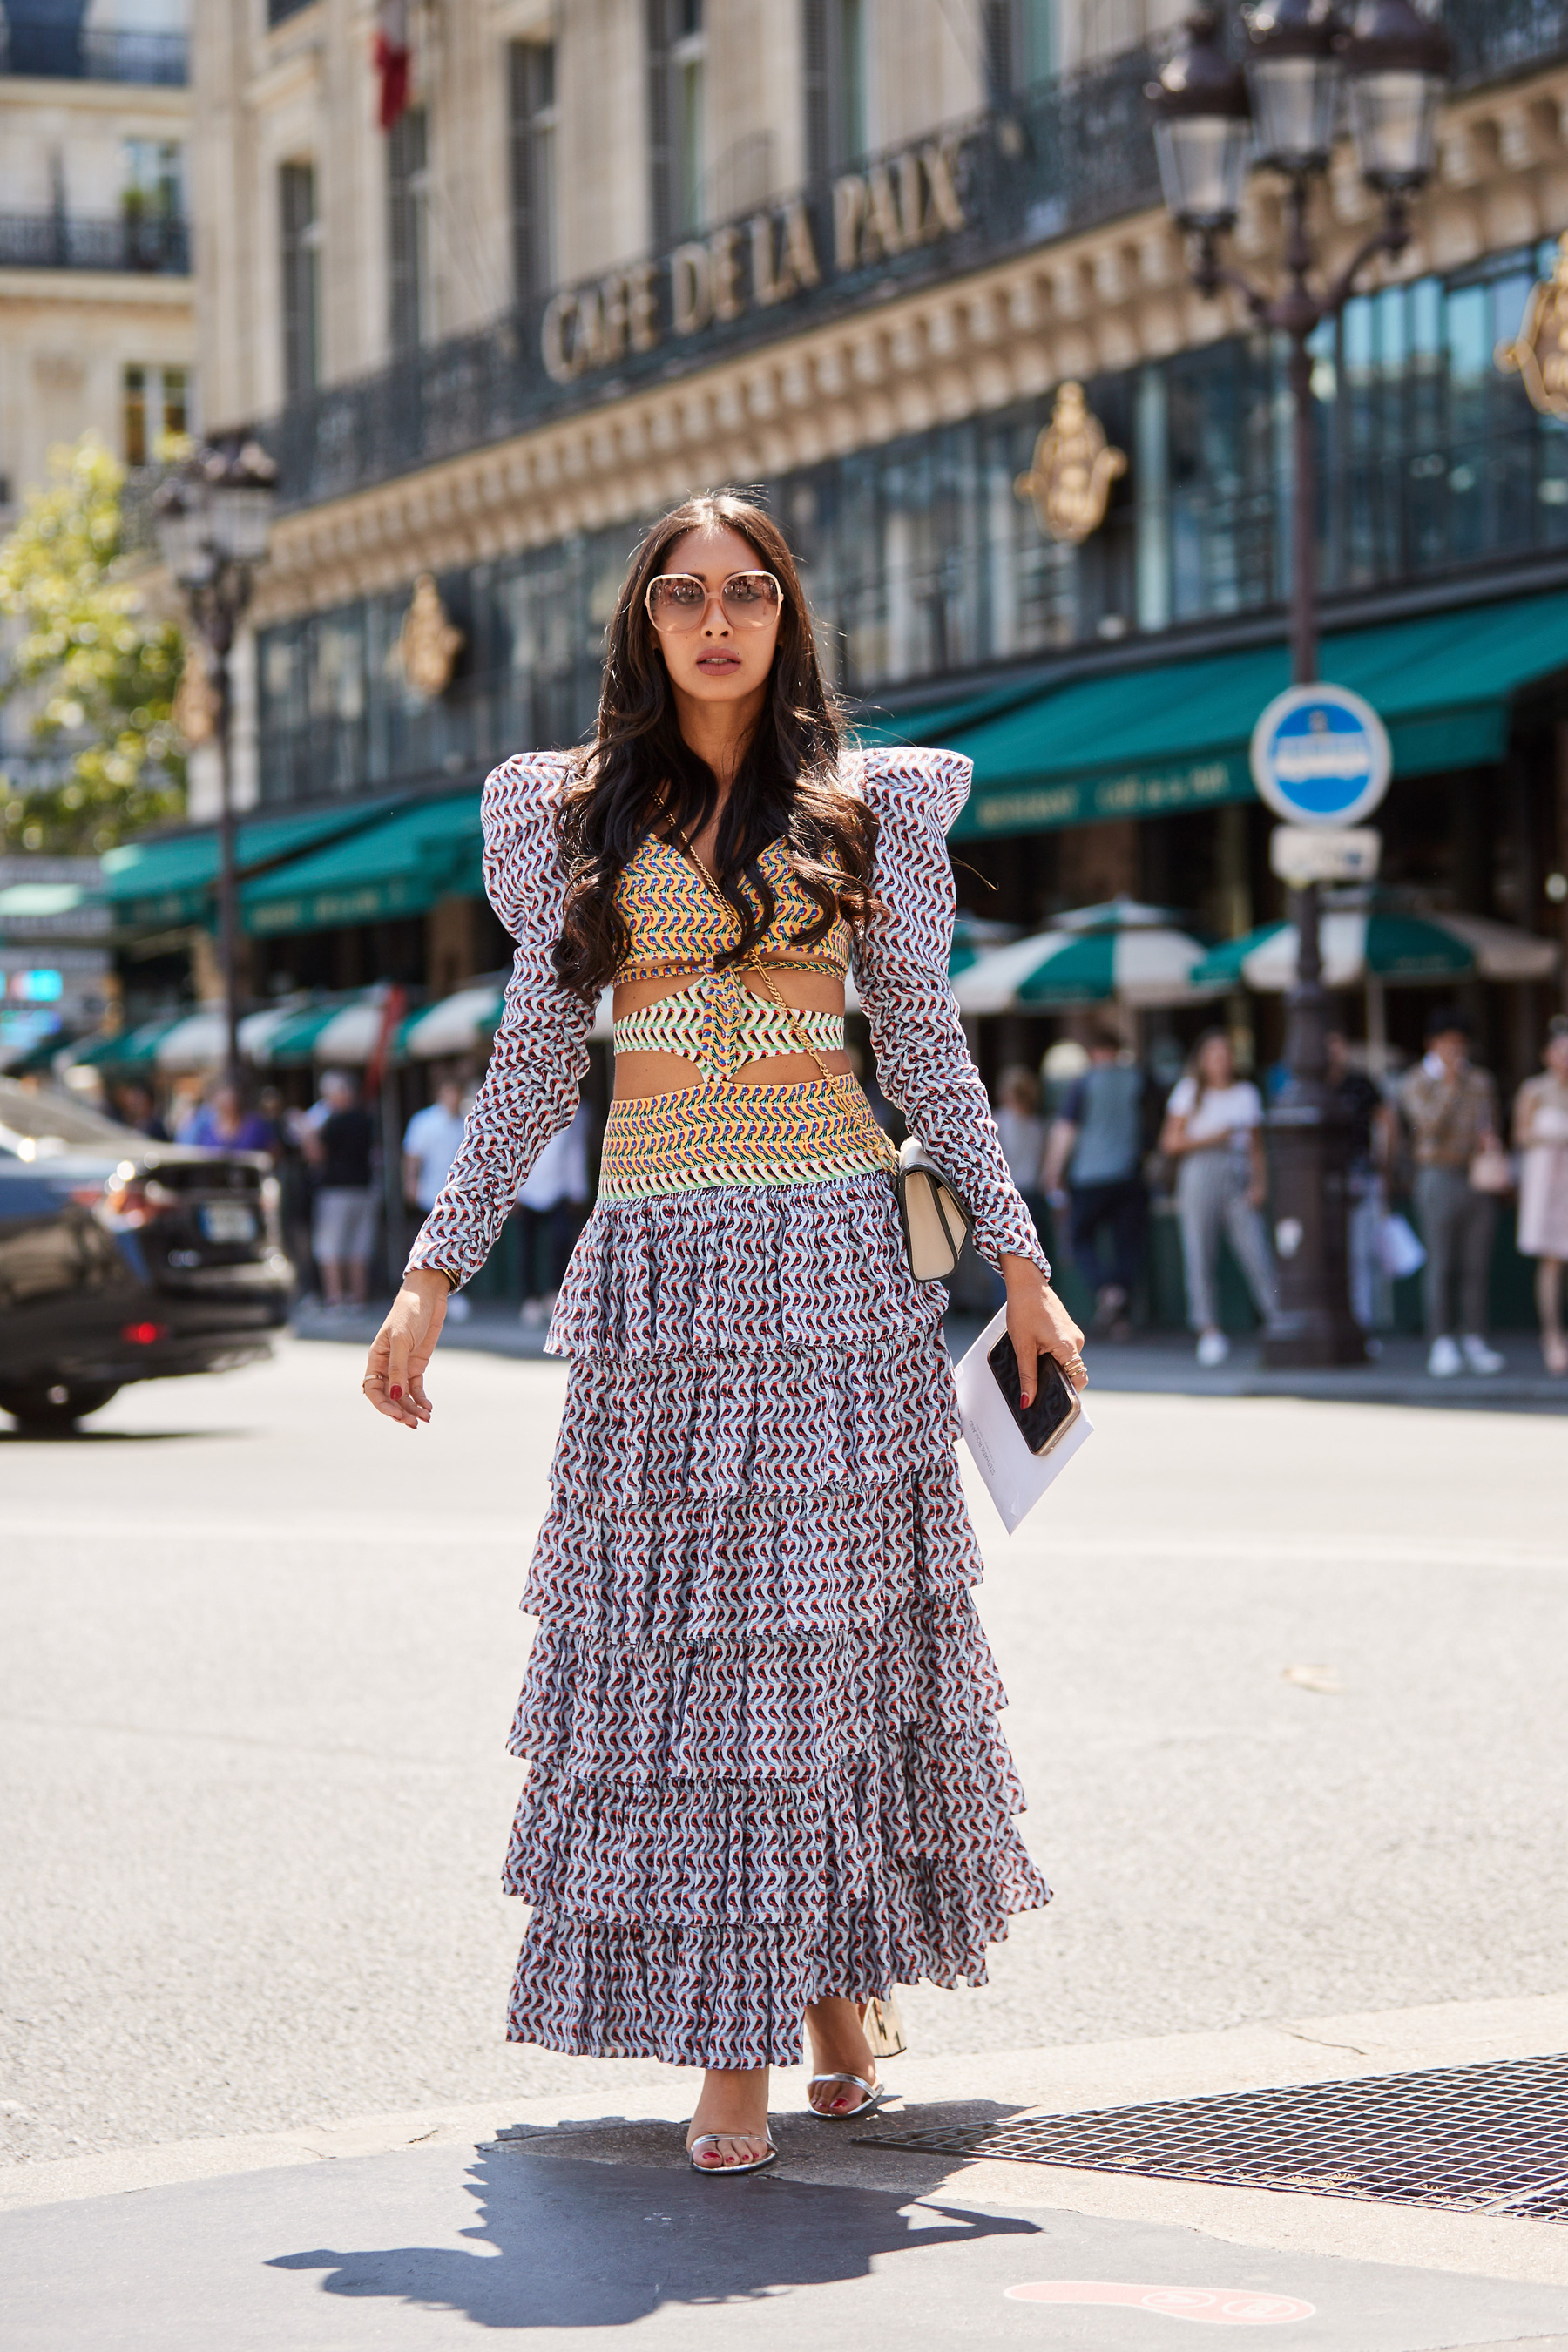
x=676, y=927
x=531, y=1088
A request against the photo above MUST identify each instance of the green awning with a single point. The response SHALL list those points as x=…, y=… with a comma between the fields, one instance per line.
x=938, y=722
x=400, y=867
x=128, y=1047
x=1148, y=743
x=171, y=879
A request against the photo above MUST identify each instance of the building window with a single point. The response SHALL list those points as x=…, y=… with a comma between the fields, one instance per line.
x=677, y=54
x=154, y=402
x=137, y=441
x=153, y=202
x=834, y=32
x=533, y=93
x=1020, y=39
x=301, y=241
x=408, y=232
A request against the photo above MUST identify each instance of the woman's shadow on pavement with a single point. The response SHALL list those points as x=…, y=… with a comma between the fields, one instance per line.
x=570, y=2242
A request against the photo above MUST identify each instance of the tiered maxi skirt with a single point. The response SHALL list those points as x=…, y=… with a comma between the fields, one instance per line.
x=759, y=1712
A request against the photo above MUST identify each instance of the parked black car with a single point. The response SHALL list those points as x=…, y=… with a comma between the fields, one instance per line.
x=125, y=1260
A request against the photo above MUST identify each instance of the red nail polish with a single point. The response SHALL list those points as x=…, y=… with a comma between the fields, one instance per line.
x=396, y=1392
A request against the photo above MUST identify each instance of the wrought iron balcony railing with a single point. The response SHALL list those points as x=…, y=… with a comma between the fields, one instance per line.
x=154, y=245
x=1495, y=38
x=56, y=43
x=1069, y=155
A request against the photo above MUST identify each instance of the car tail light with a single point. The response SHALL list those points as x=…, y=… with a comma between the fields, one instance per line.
x=143, y=1335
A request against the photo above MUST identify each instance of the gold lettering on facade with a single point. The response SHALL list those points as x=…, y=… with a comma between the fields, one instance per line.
x=1539, y=353
x=848, y=211
x=1070, y=480
x=891, y=208
x=642, y=305
x=427, y=644
x=801, y=263
x=945, y=210
x=556, y=338
x=724, y=273
x=884, y=233
x=689, y=303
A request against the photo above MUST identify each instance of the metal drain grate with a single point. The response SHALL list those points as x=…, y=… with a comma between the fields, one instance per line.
x=1473, y=2140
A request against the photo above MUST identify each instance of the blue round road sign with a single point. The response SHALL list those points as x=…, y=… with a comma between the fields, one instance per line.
x=1321, y=756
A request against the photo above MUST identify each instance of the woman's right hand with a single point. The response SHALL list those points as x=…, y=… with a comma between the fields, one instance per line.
x=401, y=1351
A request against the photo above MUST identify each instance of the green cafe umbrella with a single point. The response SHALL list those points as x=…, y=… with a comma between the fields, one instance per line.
x=1383, y=944
x=1121, y=951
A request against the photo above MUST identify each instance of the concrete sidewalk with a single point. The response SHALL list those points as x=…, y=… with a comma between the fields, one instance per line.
x=1158, y=1363
x=401, y=2232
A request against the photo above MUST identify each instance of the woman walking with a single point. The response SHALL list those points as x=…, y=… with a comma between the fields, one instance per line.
x=766, y=1782
x=1214, y=1130
x=1540, y=1137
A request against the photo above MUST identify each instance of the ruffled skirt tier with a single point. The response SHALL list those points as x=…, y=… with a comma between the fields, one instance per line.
x=759, y=1711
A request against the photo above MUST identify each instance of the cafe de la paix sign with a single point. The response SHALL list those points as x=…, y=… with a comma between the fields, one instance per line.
x=907, y=200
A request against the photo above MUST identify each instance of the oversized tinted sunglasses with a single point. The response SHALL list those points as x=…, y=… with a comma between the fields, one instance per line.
x=677, y=600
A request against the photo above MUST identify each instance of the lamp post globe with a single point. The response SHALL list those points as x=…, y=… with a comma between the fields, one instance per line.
x=1203, y=129
x=240, y=501
x=1397, y=64
x=184, y=539
x=1293, y=77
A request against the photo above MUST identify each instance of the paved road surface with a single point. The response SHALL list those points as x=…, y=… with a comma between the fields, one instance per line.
x=1288, y=1688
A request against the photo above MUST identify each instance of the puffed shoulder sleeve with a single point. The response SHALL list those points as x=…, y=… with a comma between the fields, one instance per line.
x=923, y=1062
x=531, y=1088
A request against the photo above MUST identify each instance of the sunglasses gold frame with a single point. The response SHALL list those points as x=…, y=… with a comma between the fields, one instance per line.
x=754, y=572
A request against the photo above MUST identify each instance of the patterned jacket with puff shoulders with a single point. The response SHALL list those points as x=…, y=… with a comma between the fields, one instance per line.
x=541, y=1051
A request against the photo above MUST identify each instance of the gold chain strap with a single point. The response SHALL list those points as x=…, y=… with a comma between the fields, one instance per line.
x=850, y=1097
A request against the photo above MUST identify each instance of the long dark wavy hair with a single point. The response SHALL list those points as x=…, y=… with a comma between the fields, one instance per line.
x=787, y=786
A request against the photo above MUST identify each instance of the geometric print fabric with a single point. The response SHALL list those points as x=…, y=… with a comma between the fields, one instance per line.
x=759, y=1713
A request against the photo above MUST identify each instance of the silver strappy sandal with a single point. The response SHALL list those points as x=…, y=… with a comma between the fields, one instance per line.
x=874, y=2094
x=729, y=2171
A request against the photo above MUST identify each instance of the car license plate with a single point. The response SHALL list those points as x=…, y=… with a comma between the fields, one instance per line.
x=226, y=1221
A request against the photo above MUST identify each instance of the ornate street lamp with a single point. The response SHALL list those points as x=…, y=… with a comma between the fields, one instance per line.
x=1202, y=130
x=213, y=518
x=1280, y=111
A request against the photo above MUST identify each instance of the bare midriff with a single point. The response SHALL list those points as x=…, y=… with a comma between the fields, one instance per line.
x=639, y=1075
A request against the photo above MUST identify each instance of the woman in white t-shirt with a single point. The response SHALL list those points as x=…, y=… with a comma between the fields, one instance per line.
x=1213, y=1130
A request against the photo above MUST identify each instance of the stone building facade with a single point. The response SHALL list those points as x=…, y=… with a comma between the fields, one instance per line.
x=97, y=314
x=853, y=252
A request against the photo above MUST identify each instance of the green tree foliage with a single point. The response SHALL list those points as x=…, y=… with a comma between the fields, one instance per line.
x=95, y=666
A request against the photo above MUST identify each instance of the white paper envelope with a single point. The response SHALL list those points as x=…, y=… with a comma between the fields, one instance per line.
x=1017, y=1478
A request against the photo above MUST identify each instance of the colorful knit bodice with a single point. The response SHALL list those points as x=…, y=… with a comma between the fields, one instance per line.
x=719, y=1024
x=676, y=927
x=719, y=1134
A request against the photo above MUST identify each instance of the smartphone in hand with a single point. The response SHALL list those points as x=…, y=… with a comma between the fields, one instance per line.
x=1045, y=1421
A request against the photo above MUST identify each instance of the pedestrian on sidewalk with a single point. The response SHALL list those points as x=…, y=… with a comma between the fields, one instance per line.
x=1452, y=1110
x=1213, y=1131
x=1094, y=1170
x=430, y=1142
x=767, y=1778
x=341, y=1148
x=1540, y=1137
x=223, y=1124
x=1371, y=1122
x=1022, y=1134
x=547, y=1211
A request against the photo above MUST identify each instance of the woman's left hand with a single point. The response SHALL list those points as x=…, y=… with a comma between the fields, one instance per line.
x=1039, y=1325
